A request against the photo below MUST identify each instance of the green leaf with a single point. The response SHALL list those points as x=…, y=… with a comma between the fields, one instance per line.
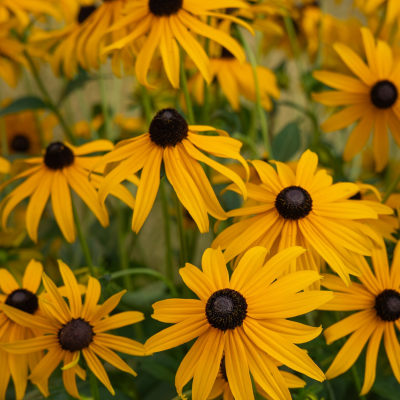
x=23, y=104
x=286, y=143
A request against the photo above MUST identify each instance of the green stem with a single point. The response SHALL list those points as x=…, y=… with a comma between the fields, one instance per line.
x=256, y=394
x=391, y=189
x=94, y=388
x=260, y=111
x=293, y=43
x=48, y=100
x=185, y=90
x=104, y=106
x=123, y=256
x=357, y=381
x=82, y=240
x=167, y=232
x=381, y=23
x=148, y=112
x=146, y=271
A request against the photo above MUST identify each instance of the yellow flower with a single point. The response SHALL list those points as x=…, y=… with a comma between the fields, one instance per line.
x=167, y=22
x=370, y=7
x=243, y=318
x=81, y=40
x=62, y=167
x=172, y=141
x=372, y=100
x=378, y=298
x=305, y=209
x=221, y=385
x=71, y=329
x=5, y=166
x=24, y=299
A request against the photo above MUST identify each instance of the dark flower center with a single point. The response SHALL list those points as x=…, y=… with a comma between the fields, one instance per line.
x=226, y=309
x=387, y=305
x=75, y=335
x=20, y=143
x=225, y=53
x=222, y=369
x=23, y=300
x=168, y=128
x=85, y=12
x=164, y=8
x=58, y=156
x=293, y=202
x=384, y=94
x=357, y=196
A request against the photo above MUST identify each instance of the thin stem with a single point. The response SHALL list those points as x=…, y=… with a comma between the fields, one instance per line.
x=357, y=381
x=123, y=256
x=147, y=271
x=94, y=388
x=148, y=112
x=48, y=99
x=392, y=187
x=82, y=240
x=167, y=232
x=260, y=111
x=104, y=106
x=185, y=91
x=293, y=42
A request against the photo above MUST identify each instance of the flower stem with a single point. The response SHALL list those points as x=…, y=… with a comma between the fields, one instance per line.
x=356, y=379
x=392, y=187
x=185, y=91
x=260, y=111
x=94, y=388
x=293, y=42
x=104, y=106
x=123, y=256
x=82, y=240
x=48, y=99
x=167, y=232
x=146, y=271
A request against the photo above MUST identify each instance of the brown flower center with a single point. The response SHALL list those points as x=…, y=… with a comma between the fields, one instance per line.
x=165, y=8
x=20, y=143
x=58, y=156
x=23, y=300
x=384, y=94
x=76, y=335
x=293, y=203
x=85, y=12
x=387, y=305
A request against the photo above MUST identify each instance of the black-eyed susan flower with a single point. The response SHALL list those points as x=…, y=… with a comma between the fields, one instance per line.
x=72, y=328
x=172, y=141
x=169, y=22
x=221, y=385
x=24, y=299
x=377, y=298
x=243, y=318
x=371, y=99
x=305, y=209
x=63, y=167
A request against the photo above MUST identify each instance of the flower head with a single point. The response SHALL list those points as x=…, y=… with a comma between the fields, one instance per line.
x=171, y=140
x=305, y=209
x=62, y=167
x=377, y=300
x=242, y=318
x=69, y=329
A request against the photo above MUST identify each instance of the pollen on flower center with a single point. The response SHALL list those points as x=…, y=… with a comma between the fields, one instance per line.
x=293, y=203
x=226, y=309
x=85, y=12
x=168, y=128
x=75, y=335
x=387, y=305
x=164, y=8
x=58, y=156
x=384, y=94
x=222, y=369
x=23, y=300
x=20, y=143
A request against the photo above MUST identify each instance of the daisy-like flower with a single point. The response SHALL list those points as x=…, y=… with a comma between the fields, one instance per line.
x=377, y=299
x=304, y=209
x=71, y=329
x=169, y=22
x=62, y=167
x=372, y=100
x=24, y=299
x=81, y=40
x=243, y=318
x=172, y=141
x=221, y=385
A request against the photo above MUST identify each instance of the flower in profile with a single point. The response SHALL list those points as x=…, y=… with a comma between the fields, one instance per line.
x=62, y=167
x=371, y=99
x=377, y=300
x=169, y=22
x=24, y=299
x=242, y=318
x=171, y=140
x=221, y=385
x=304, y=209
x=71, y=328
